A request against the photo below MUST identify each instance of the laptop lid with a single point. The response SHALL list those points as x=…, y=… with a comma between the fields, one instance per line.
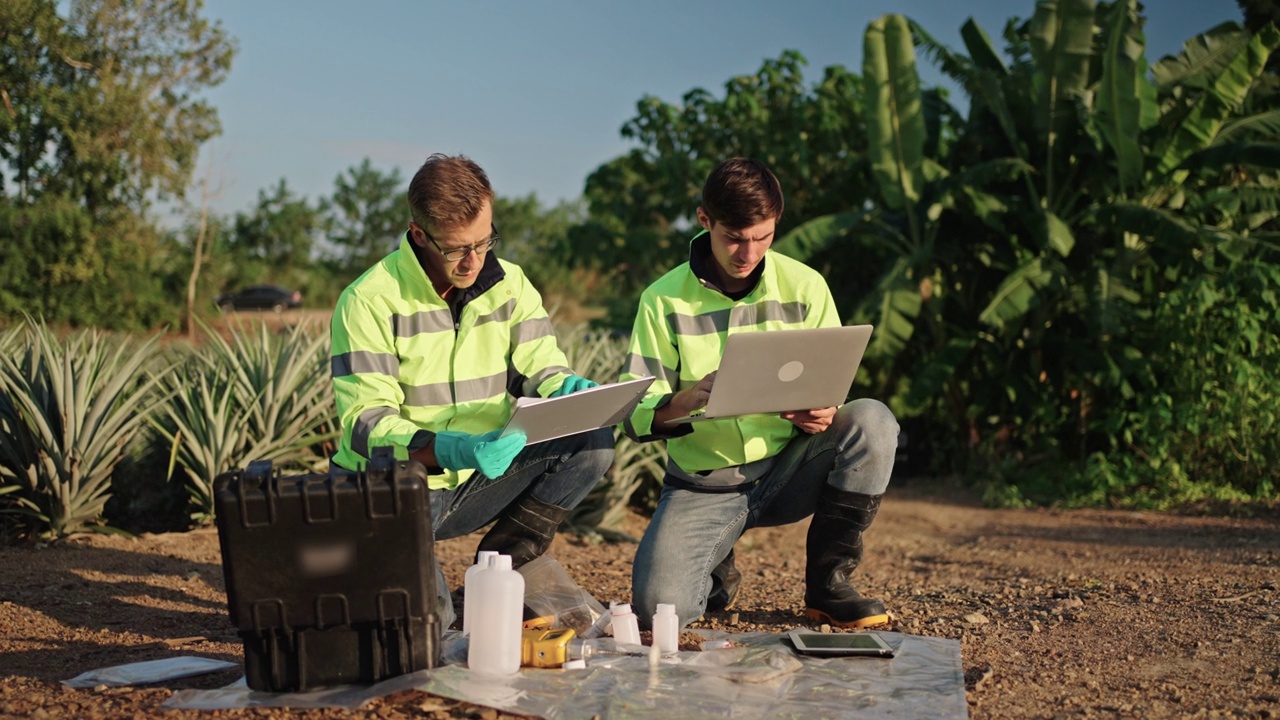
x=780, y=370
x=544, y=419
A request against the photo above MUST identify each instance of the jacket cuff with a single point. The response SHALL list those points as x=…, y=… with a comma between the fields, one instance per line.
x=639, y=427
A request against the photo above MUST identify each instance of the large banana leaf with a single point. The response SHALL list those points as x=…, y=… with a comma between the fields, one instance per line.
x=1261, y=126
x=1171, y=231
x=898, y=305
x=931, y=380
x=981, y=51
x=1060, y=35
x=894, y=116
x=1126, y=103
x=1218, y=156
x=1016, y=294
x=810, y=238
x=1258, y=204
x=1225, y=92
x=1203, y=58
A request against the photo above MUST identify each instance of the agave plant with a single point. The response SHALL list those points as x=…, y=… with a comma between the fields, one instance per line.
x=256, y=396
x=634, y=465
x=600, y=356
x=67, y=412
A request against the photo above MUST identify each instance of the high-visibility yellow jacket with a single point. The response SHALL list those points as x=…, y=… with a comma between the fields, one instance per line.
x=678, y=338
x=407, y=364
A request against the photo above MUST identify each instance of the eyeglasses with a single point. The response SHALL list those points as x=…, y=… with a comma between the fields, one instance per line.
x=456, y=254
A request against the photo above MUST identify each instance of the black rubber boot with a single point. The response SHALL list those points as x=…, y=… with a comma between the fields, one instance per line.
x=524, y=530
x=725, y=580
x=834, y=549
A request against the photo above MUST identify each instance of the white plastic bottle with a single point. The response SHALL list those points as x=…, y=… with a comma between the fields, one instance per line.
x=494, y=647
x=468, y=588
x=666, y=628
x=626, y=627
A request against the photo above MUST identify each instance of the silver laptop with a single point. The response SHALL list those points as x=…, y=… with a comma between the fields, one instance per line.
x=544, y=419
x=780, y=370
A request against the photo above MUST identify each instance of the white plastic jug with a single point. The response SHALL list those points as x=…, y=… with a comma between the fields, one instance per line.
x=469, y=592
x=495, y=634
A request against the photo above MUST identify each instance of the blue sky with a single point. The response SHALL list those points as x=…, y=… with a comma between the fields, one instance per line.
x=535, y=90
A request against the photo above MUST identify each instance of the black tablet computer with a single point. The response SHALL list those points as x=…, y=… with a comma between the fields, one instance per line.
x=810, y=642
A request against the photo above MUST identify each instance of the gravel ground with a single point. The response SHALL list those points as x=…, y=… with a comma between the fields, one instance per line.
x=1089, y=613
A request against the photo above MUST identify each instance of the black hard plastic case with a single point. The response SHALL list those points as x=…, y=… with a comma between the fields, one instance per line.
x=329, y=577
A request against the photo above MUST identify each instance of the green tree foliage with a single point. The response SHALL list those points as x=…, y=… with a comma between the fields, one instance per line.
x=101, y=115
x=1200, y=426
x=1007, y=253
x=1127, y=202
x=274, y=241
x=538, y=239
x=366, y=215
x=640, y=205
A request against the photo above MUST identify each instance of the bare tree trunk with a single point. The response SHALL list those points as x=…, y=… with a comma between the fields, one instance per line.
x=198, y=260
x=202, y=230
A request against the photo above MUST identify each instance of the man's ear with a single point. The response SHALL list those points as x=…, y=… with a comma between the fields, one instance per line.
x=414, y=233
x=703, y=220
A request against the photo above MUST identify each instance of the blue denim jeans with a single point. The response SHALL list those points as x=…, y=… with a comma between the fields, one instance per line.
x=691, y=532
x=557, y=472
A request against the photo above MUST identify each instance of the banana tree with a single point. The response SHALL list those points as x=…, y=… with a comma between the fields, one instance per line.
x=1117, y=205
x=1080, y=178
x=894, y=113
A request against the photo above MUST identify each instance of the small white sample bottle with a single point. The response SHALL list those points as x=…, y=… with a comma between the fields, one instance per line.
x=666, y=629
x=626, y=627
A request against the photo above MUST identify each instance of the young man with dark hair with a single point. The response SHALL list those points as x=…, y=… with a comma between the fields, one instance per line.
x=431, y=347
x=728, y=475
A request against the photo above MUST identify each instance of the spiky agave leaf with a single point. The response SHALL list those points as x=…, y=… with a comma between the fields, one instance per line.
x=256, y=396
x=73, y=407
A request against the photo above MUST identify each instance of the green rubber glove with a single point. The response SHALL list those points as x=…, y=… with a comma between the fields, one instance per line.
x=490, y=453
x=573, y=384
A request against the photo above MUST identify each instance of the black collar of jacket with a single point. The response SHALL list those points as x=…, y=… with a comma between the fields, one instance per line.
x=701, y=262
x=491, y=273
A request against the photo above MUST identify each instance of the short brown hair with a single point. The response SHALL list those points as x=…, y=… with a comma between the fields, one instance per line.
x=742, y=192
x=448, y=192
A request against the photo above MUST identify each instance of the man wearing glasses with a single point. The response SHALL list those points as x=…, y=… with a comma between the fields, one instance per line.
x=431, y=346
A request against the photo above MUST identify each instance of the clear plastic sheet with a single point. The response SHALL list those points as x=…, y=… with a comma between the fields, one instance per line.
x=145, y=673
x=761, y=678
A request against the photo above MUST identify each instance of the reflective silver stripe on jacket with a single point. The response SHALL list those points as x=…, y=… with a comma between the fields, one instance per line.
x=362, y=361
x=364, y=426
x=739, y=316
x=480, y=388
x=531, y=330
x=420, y=323
x=531, y=384
x=641, y=366
x=502, y=313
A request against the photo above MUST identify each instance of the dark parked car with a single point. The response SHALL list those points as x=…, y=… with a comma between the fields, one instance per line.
x=260, y=297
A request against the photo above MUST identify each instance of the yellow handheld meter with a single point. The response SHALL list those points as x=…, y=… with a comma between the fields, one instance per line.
x=545, y=648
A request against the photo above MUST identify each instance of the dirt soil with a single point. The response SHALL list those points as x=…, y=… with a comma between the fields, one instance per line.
x=1059, y=613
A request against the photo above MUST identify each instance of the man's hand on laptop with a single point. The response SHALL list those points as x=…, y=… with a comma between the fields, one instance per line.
x=687, y=401
x=810, y=421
